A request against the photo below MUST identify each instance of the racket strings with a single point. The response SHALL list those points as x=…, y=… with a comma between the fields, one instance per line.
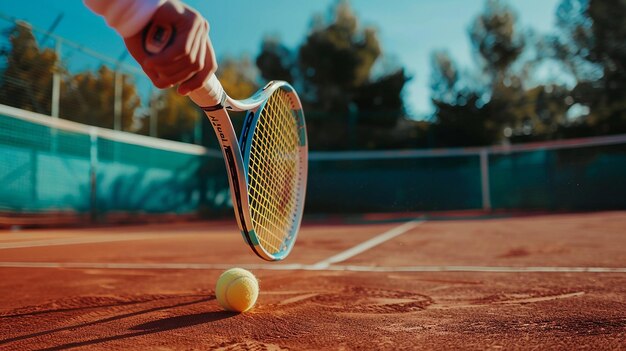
x=272, y=205
x=273, y=172
x=272, y=223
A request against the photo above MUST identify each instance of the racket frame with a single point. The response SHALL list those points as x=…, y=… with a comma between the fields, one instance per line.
x=236, y=150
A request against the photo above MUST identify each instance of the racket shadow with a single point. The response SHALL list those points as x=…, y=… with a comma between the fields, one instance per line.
x=173, y=324
x=161, y=325
x=184, y=321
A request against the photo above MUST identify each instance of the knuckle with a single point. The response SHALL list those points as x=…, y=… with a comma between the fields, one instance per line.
x=161, y=83
x=196, y=65
x=199, y=80
x=200, y=65
x=195, y=85
x=212, y=68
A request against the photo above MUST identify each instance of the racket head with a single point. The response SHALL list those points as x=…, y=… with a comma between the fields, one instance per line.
x=275, y=156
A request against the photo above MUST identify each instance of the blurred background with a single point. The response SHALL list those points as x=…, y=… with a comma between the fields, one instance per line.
x=411, y=106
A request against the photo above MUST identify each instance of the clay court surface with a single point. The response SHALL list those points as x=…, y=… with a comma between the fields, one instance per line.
x=531, y=282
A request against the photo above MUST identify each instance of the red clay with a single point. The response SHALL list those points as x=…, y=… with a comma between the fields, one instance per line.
x=169, y=309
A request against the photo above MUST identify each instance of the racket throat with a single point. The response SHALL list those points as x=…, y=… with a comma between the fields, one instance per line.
x=227, y=139
x=235, y=187
x=220, y=130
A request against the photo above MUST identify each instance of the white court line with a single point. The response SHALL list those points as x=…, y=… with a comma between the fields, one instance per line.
x=71, y=241
x=301, y=267
x=479, y=269
x=366, y=245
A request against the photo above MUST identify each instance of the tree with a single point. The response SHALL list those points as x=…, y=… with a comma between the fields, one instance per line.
x=461, y=117
x=445, y=77
x=238, y=77
x=26, y=80
x=496, y=38
x=592, y=44
x=380, y=101
x=495, y=103
x=336, y=58
x=474, y=110
x=89, y=97
x=333, y=71
x=276, y=62
x=176, y=117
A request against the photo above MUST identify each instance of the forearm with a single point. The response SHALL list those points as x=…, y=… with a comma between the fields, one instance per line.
x=127, y=17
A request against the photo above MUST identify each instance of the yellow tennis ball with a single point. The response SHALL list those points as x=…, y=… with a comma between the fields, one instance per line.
x=237, y=290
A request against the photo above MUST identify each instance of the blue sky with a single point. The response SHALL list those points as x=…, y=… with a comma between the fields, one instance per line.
x=409, y=30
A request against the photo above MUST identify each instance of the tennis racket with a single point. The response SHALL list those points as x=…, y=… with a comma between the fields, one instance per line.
x=267, y=165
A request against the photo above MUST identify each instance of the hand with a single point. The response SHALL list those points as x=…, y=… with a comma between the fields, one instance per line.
x=188, y=61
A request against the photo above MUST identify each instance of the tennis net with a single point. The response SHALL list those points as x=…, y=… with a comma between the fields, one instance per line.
x=574, y=174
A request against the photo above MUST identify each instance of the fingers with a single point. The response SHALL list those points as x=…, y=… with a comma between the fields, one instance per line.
x=173, y=64
x=198, y=79
x=183, y=60
x=187, y=35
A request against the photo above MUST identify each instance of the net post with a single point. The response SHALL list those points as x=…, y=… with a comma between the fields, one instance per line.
x=34, y=159
x=93, y=174
x=154, y=113
x=117, y=102
x=56, y=81
x=197, y=130
x=484, y=179
x=56, y=95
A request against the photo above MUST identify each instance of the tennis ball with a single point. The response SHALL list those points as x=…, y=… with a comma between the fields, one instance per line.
x=237, y=290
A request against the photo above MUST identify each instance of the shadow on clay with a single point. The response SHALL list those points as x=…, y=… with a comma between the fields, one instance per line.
x=146, y=328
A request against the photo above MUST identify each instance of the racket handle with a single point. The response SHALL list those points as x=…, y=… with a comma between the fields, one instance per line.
x=211, y=93
x=157, y=38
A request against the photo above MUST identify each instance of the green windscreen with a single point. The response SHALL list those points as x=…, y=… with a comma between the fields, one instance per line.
x=50, y=166
x=393, y=184
x=578, y=178
x=42, y=171
x=585, y=174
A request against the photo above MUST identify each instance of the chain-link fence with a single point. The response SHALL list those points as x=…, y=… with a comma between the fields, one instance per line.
x=47, y=74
